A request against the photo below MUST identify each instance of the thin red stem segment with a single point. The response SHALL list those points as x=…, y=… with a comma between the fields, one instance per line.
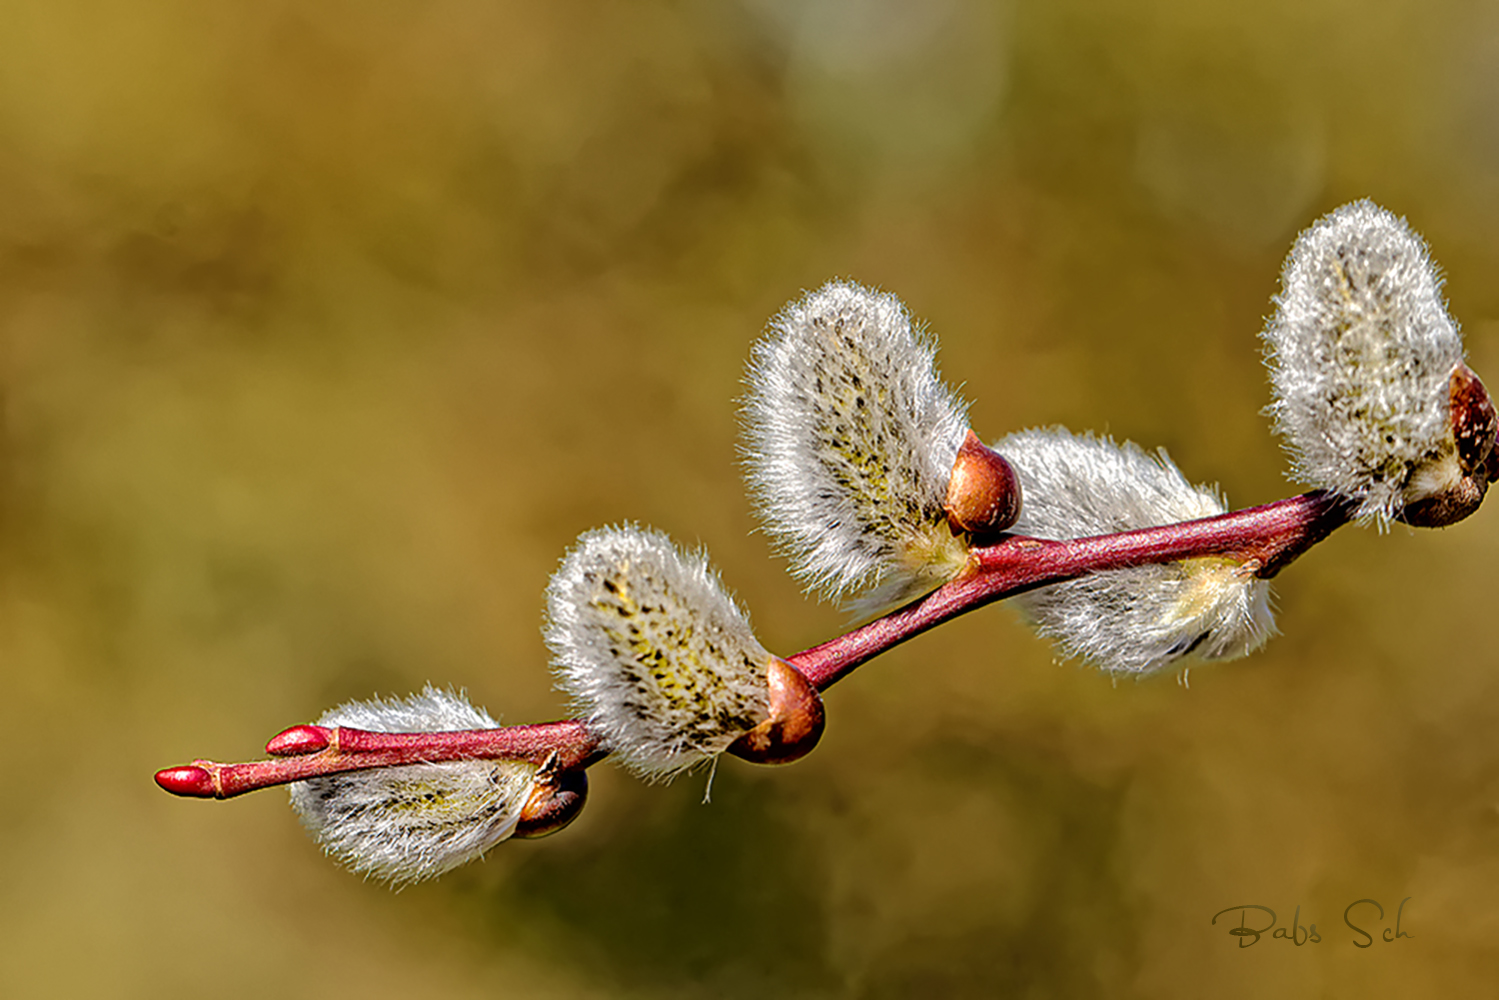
x=347, y=749
x=1270, y=536
x=1267, y=537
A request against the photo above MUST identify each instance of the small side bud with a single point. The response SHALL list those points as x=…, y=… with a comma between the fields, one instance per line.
x=1363, y=356
x=1446, y=490
x=556, y=800
x=658, y=658
x=795, y=724
x=298, y=740
x=983, y=493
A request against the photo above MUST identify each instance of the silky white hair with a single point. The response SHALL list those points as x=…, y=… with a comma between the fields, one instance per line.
x=850, y=438
x=1143, y=618
x=414, y=822
x=654, y=652
x=1361, y=350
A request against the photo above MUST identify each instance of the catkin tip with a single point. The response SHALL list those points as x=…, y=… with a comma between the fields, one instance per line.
x=654, y=652
x=1361, y=352
x=850, y=438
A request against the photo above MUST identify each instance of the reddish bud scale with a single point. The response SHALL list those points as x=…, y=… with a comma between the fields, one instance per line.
x=795, y=724
x=1473, y=428
x=983, y=492
x=1473, y=420
x=555, y=802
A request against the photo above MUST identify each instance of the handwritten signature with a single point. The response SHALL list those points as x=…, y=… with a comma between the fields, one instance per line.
x=1251, y=916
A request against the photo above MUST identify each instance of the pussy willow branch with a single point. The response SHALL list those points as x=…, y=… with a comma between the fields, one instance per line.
x=1264, y=539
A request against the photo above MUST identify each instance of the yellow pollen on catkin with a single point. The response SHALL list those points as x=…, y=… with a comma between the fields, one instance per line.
x=1207, y=580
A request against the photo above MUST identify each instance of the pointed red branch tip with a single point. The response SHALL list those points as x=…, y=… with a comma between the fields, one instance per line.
x=191, y=781
x=298, y=740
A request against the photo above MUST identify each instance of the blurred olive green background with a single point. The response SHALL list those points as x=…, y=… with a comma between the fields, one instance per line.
x=326, y=328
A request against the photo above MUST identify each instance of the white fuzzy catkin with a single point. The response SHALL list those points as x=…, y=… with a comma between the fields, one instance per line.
x=656, y=655
x=1361, y=350
x=1139, y=619
x=850, y=437
x=405, y=824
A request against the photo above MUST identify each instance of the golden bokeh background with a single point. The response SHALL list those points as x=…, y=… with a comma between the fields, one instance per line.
x=326, y=328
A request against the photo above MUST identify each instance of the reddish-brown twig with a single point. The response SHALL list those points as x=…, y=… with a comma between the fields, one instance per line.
x=1267, y=537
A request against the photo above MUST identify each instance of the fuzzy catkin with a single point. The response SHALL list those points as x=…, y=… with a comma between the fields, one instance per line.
x=1140, y=619
x=1361, y=350
x=655, y=654
x=850, y=437
x=414, y=822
